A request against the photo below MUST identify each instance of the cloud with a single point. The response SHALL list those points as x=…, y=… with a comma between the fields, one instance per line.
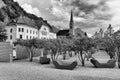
x=30, y=9
x=83, y=9
x=89, y=15
x=115, y=9
x=60, y=24
x=59, y=13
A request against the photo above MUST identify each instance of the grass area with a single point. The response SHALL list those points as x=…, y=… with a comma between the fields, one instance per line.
x=25, y=70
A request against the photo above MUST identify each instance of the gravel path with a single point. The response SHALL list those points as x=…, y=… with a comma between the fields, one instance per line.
x=24, y=70
x=34, y=71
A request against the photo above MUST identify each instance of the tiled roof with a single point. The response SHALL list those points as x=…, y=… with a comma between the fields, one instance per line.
x=63, y=32
x=26, y=21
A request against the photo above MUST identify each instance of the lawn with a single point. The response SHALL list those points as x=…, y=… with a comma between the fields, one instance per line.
x=24, y=70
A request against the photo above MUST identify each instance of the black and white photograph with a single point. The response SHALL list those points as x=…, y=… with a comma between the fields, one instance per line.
x=59, y=39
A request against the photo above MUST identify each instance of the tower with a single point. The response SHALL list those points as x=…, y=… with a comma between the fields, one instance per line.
x=101, y=33
x=71, y=24
x=110, y=30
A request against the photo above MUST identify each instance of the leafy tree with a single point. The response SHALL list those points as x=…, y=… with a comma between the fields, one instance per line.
x=3, y=34
x=1, y=16
x=116, y=39
x=109, y=46
x=30, y=45
x=82, y=46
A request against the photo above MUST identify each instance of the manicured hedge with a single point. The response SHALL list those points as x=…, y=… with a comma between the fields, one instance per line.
x=5, y=51
x=22, y=52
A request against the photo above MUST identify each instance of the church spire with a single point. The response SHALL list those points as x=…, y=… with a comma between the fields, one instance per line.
x=71, y=20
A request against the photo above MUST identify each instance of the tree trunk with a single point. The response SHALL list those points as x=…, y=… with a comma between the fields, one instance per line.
x=57, y=55
x=83, y=62
x=64, y=56
x=70, y=53
x=52, y=58
x=118, y=54
x=119, y=61
x=31, y=56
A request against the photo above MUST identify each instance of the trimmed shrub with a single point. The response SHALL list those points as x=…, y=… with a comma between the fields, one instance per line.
x=21, y=52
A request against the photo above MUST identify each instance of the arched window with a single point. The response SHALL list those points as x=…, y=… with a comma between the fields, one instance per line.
x=11, y=30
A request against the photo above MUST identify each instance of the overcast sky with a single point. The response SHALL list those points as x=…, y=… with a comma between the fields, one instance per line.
x=89, y=15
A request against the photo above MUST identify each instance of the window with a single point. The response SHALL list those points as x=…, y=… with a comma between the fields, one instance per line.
x=30, y=37
x=19, y=30
x=20, y=36
x=30, y=31
x=44, y=33
x=22, y=29
x=10, y=37
x=26, y=37
x=27, y=30
x=11, y=30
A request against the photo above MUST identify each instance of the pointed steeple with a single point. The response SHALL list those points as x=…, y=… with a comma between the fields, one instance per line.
x=71, y=25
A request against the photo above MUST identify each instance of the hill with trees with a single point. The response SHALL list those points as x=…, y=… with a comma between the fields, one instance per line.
x=10, y=11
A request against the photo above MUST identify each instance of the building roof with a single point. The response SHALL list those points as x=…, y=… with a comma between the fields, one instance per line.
x=24, y=21
x=31, y=23
x=27, y=21
x=63, y=32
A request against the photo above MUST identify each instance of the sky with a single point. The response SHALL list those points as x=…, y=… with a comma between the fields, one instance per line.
x=89, y=15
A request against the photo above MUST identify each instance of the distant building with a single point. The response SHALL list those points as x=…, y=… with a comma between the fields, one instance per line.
x=102, y=34
x=109, y=31
x=26, y=28
x=71, y=32
x=99, y=34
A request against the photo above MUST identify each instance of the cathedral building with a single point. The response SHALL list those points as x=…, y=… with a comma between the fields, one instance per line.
x=71, y=32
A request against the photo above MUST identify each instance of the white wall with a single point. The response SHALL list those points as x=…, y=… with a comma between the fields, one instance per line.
x=32, y=32
x=29, y=32
x=44, y=33
x=52, y=35
x=13, y=33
